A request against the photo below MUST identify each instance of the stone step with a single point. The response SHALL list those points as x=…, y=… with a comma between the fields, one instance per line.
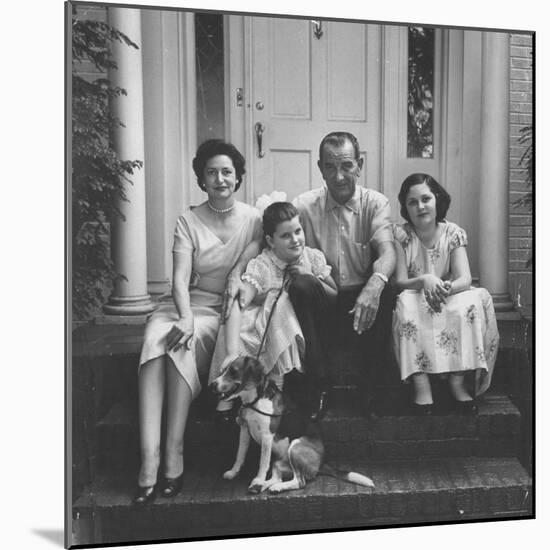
x=348, y=435
x=405, y=492
x=105, y=358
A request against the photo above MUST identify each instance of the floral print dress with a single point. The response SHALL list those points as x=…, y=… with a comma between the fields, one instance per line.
x=463, y=336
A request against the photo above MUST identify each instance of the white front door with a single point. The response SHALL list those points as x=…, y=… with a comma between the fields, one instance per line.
x=304, y=79
x=297, y=85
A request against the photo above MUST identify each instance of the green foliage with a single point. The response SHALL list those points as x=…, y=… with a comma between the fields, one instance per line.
x=98, y=175
x=420, y=97
x=527, y=163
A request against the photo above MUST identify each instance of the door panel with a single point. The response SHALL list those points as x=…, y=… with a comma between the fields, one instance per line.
x=346, y=87
x=290, y=65
x=301, y=88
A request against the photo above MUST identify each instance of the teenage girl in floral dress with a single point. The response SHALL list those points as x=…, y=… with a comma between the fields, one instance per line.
x=441, y=324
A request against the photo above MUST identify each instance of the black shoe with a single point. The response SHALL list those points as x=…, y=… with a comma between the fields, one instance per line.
x=224, y=418
x=422, y=410
x=369, y=409
x=171, y=486
x=145, y=495
x=465, y=407
x=322, y=406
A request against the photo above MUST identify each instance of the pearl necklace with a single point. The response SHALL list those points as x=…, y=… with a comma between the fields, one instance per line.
x=220, y=210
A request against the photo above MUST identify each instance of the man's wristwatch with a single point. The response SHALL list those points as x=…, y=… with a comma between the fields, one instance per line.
x=381, y=276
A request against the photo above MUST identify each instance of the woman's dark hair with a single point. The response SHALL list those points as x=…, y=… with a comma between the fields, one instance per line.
x=276, y=213
x=212, y=148
x=442, y=198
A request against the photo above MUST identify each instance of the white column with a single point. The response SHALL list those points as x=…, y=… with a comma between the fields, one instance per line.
x=128, y=235
x=494, y=193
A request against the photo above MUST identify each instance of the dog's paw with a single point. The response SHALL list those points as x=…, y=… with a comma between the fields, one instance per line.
x=230, y=474
x=256, y=485
x=276, y=487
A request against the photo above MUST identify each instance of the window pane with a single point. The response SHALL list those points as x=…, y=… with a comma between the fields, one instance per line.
x=420, y=93
x=209, y=60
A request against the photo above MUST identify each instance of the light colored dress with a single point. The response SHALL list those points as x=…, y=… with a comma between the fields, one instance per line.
x=463, y=336
x=284, y=345
x=212, y=260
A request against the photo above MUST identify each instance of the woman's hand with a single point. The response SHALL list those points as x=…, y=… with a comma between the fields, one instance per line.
x=180, y=334
x=233, y=288
x=436, y=291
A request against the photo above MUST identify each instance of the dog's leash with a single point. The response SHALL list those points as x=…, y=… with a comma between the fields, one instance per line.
x=252, y=403
x=251, y=406
x=271, y=313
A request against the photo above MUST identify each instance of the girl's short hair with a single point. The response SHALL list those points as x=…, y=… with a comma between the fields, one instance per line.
x=276, y=213
x=212, y=148
x=442, y=198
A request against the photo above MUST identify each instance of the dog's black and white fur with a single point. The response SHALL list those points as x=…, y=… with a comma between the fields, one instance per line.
x=265, y=416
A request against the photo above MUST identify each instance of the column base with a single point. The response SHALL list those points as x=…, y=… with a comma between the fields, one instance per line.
x=129, y=305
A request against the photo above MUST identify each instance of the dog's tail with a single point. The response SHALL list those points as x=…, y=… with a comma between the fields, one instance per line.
x=351, y=477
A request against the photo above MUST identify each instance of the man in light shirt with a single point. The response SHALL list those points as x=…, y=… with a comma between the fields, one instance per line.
x=351, y=226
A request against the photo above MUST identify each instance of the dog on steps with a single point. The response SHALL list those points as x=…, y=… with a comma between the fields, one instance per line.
x=287, y=439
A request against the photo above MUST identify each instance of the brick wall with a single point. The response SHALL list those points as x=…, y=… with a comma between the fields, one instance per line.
x=521, y=227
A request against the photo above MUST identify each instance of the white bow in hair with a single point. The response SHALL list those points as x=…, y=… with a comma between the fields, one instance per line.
x=265, y=200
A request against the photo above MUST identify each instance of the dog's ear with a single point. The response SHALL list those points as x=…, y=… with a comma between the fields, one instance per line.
x=255, y=371
x=270, y=388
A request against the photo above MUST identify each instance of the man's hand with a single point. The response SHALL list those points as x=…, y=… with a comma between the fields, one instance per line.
x=180, y=334
x=366, y=306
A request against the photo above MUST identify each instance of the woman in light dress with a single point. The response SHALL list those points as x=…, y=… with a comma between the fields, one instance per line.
x=441, y=324
x=212, y=245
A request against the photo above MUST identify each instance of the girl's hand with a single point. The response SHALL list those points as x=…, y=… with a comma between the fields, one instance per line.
x=436, y=291
x=298, y=269
x=180, y=334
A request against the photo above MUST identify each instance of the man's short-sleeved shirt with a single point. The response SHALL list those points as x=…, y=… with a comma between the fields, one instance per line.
x=347, y=234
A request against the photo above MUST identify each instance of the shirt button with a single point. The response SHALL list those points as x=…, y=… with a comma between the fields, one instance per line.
x=343, y=276
x=342, y=228
x=342, y=252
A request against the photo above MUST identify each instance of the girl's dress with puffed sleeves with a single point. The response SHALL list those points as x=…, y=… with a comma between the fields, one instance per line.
x=463, y=336
x=212, y=260
x=284, y=344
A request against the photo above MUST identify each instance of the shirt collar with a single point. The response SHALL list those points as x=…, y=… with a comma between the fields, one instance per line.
x=352, y=204
x=279, y=263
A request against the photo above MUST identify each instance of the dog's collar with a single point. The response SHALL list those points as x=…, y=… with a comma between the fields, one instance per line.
x=251, y=406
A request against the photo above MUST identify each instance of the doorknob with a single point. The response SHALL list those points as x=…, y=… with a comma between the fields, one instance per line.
x=259, y=127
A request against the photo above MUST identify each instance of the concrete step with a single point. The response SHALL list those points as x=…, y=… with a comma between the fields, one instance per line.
x=406, y=492
x=348, y=435
x=105, y=357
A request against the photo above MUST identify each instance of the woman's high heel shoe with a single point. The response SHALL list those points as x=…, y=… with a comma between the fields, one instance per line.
x=466, y=407
x=145, y=495
x=172, y=486
x=422, y=410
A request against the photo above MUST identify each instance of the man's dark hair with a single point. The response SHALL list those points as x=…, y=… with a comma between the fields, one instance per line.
x=338, y=139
